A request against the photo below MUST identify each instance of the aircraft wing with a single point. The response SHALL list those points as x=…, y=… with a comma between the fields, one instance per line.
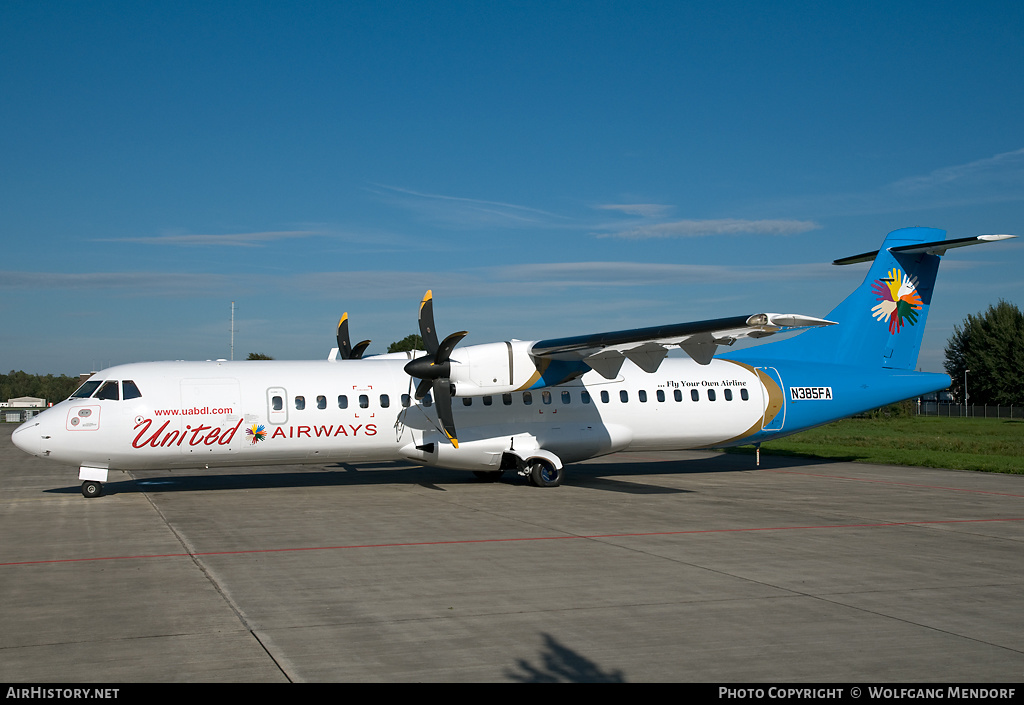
x=647, y=347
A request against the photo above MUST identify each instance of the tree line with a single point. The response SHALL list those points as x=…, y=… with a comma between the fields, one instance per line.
x=52, y=388
x=989, y=349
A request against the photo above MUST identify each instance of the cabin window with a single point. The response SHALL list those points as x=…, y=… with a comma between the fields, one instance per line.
x=527, y=398
x=277, y=403
x=744, y=395
x=86, y=390
x=488, y=400
x=108, y=391
x=506, y=398
x=643, y=395
x=129, y=390
x=385, y=401
x=406, y=400
x=300, y=403
x=321, y=402
x=545, y=397
x=604, y=396
x=695, y=395
x=585, y=397
x=364, y=401
x=624, y=396
x=566, y=397
x=661, y=394
x=467, y=401
x=677, y=394
x=711, y=395
x=342, y=401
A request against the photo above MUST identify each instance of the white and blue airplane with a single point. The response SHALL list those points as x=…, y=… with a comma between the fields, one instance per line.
x=524, y=406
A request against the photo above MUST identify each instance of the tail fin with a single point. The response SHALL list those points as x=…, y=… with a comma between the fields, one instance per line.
x=881, y=323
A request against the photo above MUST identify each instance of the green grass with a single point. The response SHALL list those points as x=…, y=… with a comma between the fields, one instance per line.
x=990, y=445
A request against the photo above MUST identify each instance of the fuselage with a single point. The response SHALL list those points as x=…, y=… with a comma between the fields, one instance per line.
x=219, y=413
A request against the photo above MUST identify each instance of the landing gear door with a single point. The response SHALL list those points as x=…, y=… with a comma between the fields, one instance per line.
x=775, y=399
x=277, y=405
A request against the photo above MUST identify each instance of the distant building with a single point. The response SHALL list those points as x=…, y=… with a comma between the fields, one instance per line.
x=26, y=403
x=22, y=408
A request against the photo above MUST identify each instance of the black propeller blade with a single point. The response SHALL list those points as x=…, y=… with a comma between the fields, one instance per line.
x=345, y=349
x=434, y=369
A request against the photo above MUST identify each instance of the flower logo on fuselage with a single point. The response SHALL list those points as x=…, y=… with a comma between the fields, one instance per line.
x=258, y=433
x=898, y=300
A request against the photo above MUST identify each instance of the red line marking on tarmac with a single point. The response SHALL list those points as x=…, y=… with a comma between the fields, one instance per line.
x=529, y=538
x=892, y=482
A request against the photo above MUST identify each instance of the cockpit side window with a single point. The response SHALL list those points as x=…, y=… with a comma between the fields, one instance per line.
x=86, y=389
x=129, y=390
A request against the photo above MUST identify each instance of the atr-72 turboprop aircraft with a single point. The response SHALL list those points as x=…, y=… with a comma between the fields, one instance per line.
x=529, y=406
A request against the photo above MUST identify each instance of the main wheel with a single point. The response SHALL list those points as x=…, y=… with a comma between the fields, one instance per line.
x=91, y=488
x=544, y=474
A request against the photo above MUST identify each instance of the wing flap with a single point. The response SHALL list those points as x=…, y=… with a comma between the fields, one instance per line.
x=647, y=347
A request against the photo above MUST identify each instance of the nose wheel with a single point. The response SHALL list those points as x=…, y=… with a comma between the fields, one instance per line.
x=91, y=488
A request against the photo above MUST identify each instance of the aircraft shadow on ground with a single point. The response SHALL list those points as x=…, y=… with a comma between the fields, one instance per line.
x=604, y=474
x=557, y=663
x=794, y=456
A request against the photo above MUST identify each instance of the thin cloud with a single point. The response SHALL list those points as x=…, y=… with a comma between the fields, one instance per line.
x=228, y=240
x=1006, y=169
x=141, y=283
x=647, y=210
x=704, y=228
x=641, y=274
x=471, y=212
x=995, y=179
x=469, y=283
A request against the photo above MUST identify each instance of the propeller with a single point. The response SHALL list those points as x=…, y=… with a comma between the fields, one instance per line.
x=345, y=349
x=434, y=369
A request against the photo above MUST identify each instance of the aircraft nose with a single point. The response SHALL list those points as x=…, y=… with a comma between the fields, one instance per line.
x=27, y=436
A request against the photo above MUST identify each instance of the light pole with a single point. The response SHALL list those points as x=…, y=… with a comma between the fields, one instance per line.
x=966, y=395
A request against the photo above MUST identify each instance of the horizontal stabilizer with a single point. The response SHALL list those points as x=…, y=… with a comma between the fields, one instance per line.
x=937, y=247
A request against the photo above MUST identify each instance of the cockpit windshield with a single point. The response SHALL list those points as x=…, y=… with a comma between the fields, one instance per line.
x=110, y=390
x=86, y=389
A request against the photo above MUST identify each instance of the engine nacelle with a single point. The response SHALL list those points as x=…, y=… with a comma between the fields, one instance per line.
x=497, y=368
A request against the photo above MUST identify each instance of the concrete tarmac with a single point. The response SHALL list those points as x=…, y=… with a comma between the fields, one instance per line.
x=683, y=566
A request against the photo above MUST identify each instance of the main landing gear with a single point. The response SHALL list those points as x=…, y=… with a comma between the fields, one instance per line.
x=543, y=473
x=91, y=488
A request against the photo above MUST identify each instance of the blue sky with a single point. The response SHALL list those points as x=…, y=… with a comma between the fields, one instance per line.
x=546, y=168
